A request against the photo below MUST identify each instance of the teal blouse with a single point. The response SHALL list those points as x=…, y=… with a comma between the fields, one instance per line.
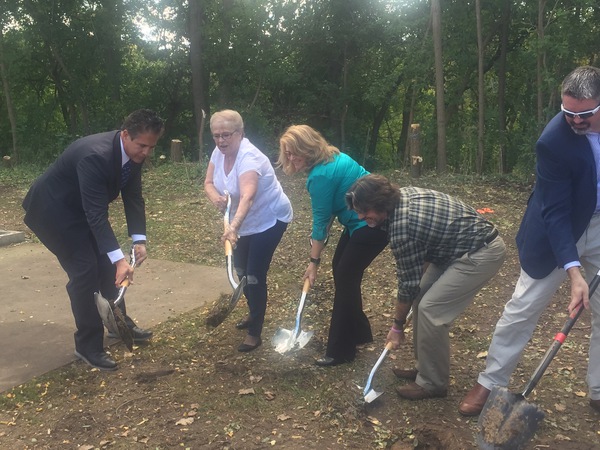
x=327, y=184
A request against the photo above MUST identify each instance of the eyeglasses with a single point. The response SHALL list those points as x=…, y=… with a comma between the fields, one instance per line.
x=224, y=136
x=581, y=115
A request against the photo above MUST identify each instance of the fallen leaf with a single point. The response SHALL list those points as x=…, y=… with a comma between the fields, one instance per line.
x=283, y=417
x=373, y=420
x=185, y=421
x=482, y=355
x=249, y=391
x=580, y=394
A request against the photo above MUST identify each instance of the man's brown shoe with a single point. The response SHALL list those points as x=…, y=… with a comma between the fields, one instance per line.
x=473, y=402
x=405, y=374
x=595, y=404
x=413, y=391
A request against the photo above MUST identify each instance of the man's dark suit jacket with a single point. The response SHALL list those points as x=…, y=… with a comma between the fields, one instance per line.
x=562, y=203
x=69, y=202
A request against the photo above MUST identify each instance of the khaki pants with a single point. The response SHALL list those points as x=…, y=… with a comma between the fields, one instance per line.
x=521, y=314
x=445, y=294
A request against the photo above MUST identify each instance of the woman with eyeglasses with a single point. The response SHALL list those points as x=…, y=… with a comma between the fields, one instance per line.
x=260, y=212
x=330, y=174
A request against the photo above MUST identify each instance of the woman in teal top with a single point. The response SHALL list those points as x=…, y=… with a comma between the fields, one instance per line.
x=330, y=175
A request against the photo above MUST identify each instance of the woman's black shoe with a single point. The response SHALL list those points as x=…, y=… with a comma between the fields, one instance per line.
x=248, y=347
x=243, y=324
x=328, y=361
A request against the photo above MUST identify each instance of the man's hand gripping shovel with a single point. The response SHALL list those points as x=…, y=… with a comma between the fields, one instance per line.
x=111, y=313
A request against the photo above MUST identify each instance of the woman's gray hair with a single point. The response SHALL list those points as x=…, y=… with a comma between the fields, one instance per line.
x=228, y=116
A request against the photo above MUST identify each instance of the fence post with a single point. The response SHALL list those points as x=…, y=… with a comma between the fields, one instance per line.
x=416, y=161
x=176, y=155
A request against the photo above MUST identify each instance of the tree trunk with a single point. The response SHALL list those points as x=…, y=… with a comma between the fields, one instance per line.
x=436, y=17
x=540, y=65
x=502, y=169
x=9, y=104
x=481, y=92
x=196, y=26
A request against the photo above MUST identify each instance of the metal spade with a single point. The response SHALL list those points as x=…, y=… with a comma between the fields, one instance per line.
x=369, y=393
x=287, y=340
x=112, y=315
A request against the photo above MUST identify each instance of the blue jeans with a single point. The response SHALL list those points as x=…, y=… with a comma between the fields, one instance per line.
x=252, y=258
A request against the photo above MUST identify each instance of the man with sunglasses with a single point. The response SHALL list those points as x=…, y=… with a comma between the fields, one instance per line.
x=445, y=253
x=559, y=234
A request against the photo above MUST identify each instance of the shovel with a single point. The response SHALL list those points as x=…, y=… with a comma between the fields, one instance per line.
x=287, y=340
x=369, y=393
x=112, y=315
x=507, y=421
x=223, y=307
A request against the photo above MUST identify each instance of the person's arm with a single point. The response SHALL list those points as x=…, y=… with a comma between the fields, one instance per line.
x=248, y=186
x=220, y=201
x=396, y=334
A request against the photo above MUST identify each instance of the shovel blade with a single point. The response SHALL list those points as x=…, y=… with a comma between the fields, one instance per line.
x=507, y=421
x=282, y=340
x=106, y=313
x=372, y=395
x=303, y=339
x=114, y=320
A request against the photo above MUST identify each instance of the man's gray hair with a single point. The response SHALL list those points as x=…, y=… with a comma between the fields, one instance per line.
x=583, y=83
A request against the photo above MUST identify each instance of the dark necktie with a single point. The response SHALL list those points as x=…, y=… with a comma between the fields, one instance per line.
x=125, y=171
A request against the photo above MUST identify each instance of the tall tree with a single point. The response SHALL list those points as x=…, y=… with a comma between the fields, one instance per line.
x=436, y=26
x=196, y=28
x=8, y=99
x=480, y=91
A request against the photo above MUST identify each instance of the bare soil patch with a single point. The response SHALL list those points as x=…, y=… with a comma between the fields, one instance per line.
x=190, y=388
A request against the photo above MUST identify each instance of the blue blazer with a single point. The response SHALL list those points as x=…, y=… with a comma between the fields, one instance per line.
x=69, y=202
x=563, y=200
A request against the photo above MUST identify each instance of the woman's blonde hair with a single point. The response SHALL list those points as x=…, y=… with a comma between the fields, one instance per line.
x=228, y=116
x=307, y=143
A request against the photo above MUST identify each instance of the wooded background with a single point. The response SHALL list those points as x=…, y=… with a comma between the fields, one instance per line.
x=481, y=78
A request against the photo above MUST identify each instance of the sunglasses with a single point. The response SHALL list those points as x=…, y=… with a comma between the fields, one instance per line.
x=581, y=115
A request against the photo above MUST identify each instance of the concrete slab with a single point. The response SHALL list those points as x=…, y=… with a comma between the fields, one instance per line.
x=11, y=237
x=36, y=324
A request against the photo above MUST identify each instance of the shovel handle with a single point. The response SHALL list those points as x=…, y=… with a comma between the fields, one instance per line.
x=306, y=286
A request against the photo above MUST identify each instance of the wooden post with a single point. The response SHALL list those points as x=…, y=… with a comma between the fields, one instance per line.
x=176, y=154
x=7, y=161
x=416, y=161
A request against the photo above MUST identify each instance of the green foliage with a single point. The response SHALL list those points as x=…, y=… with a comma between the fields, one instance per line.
x=357, y=70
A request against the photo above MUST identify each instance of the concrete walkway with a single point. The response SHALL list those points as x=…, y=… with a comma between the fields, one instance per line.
x=36, y=324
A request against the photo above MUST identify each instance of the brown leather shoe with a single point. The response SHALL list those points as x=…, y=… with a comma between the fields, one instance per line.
x=473, y=402
x=413, y=391
x=405, y=374
x=595, y=404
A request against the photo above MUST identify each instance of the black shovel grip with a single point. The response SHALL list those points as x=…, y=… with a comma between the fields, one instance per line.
x=558, y=341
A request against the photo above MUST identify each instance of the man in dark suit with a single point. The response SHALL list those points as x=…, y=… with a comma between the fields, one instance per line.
x=67, y=208
x=559, y=234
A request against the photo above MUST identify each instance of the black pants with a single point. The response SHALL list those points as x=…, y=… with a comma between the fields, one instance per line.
x=349, y=325
x=89, y=272
x=252, y=258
